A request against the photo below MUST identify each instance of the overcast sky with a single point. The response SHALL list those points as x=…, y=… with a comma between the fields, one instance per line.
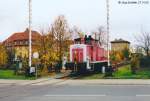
x=126, y=20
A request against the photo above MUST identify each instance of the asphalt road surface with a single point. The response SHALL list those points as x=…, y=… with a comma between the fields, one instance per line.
x=74, y=92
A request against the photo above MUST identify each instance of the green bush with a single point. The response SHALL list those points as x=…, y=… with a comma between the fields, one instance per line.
x=145, y=62
x=135, y=63
x=9, y=74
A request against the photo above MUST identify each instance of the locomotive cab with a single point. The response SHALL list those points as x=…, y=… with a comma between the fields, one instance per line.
x=86, y=55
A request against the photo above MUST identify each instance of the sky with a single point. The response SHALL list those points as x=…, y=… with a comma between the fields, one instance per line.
x=126, y=20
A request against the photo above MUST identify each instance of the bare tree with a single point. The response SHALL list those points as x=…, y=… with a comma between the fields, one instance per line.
x=143, y=41
x=100, y=35
x=75, y=31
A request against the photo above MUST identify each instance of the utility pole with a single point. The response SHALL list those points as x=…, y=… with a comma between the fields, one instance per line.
x=107, y=7
x=30, y=34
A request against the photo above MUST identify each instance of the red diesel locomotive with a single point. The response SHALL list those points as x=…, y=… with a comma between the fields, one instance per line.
x=86, y=54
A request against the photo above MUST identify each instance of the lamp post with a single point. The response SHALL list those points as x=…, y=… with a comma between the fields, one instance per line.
x=30, y=34
x=108, y=56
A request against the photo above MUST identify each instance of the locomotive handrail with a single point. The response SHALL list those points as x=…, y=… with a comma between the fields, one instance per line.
x=99, y=61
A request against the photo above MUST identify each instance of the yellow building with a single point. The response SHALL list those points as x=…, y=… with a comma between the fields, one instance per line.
x=119, y=45
x=18, y=43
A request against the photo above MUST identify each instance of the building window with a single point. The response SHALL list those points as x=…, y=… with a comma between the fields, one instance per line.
x=26, y=42
x=15, y=43
x=20, y=42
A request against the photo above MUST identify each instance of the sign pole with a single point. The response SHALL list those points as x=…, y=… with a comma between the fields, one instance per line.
x=36, y=56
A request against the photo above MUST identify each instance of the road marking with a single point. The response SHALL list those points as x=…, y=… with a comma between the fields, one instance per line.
x=143, y=95
x=75, y=95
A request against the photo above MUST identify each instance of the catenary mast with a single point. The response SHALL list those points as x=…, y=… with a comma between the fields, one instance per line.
x=107, y=7
x=30, y=33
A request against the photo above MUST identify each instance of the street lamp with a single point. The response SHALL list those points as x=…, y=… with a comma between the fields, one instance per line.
x=30, y=34
x=107, y=7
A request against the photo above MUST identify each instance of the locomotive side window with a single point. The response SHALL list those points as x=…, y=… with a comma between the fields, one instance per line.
x=75, y=56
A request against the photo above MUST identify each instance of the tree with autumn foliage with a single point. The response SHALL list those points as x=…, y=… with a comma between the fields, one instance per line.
x=116, y=57
x=47, y=47
x=126, y=54
x=113, y=57
x=3, y=55
x=135, y=63
x=55, y=42
x=62, y=34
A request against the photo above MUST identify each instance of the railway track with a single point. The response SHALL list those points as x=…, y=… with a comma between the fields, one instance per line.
x=74, y=76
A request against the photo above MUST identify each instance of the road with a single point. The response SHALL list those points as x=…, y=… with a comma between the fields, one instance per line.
x=65, y=91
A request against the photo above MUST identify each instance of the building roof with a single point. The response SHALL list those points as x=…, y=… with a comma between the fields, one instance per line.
x=22, y=36
x=120, y=41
